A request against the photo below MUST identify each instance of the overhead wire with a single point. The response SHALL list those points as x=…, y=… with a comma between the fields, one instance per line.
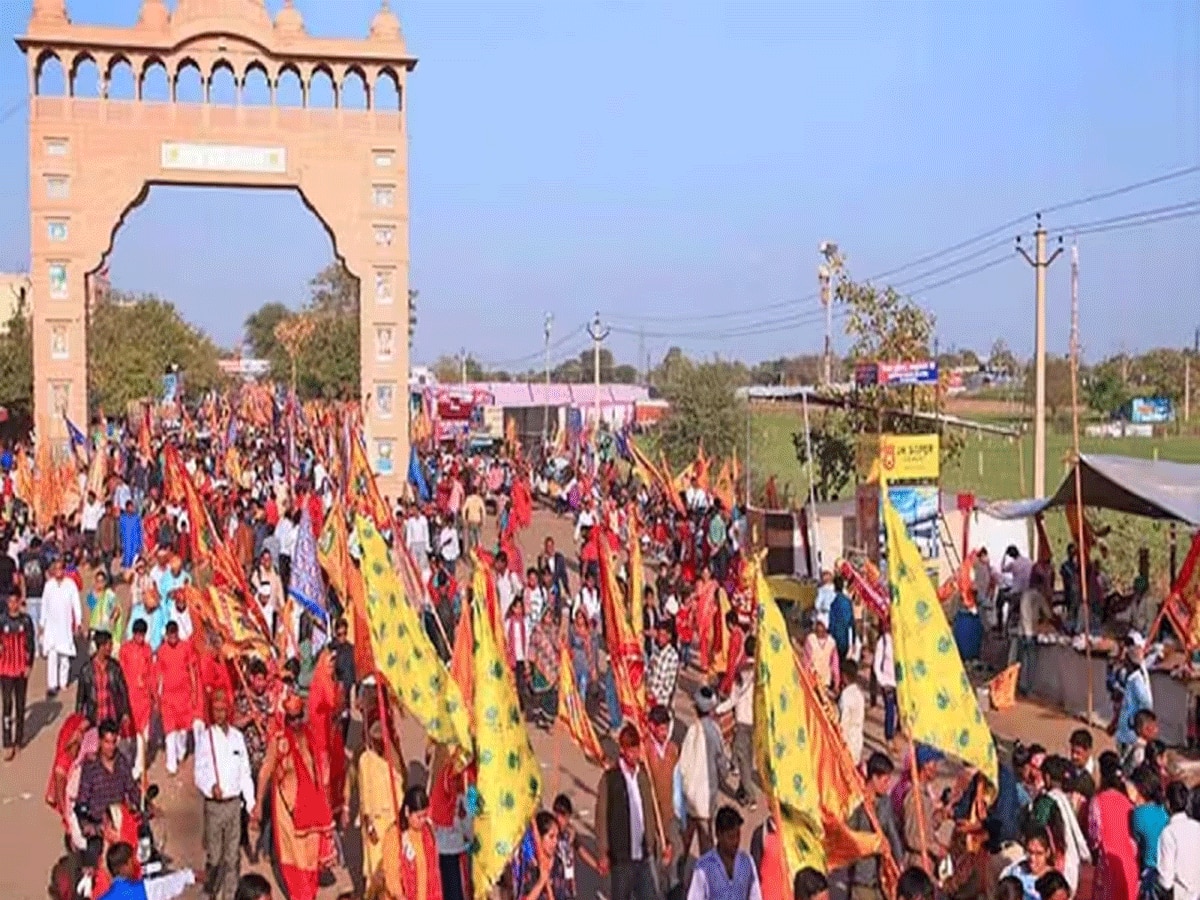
x=1002, y=228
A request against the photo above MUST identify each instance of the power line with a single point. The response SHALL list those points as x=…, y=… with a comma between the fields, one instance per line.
x=536, y=354
x=12, y=110
x=1154, y=220
x=1078, y=227
x=1003, y=228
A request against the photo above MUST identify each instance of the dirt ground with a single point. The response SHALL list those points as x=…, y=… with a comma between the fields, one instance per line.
x=32, y=838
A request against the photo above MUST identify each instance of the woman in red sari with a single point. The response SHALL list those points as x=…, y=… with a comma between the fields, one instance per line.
x=66, y=751
x=1116, y=874
x=410, y=866
x=302, y=822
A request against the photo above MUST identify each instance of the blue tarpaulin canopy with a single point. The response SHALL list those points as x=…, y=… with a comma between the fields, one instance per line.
x=1153, y=488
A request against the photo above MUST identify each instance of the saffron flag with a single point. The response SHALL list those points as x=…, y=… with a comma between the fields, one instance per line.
x=637, y=580
x=207, y=546
x=404, y=654
x=573, y=713
x=98, y=468
x=938, y=706
x=1002, y=690
x=362, y=493
x=23, y=477
x=222, y=612
x=724, y=488
x=509, y=782
x=462, y=659
x=624, y=649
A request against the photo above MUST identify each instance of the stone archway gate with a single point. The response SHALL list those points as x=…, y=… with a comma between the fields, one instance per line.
x=92, y=160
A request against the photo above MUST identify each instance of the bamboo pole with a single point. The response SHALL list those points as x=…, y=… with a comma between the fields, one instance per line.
x=915, y=772
x=1081, y=547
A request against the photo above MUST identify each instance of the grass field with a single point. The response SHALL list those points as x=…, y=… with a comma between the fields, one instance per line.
x=997, y=468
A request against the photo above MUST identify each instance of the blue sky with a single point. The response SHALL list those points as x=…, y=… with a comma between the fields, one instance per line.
x=683, y=159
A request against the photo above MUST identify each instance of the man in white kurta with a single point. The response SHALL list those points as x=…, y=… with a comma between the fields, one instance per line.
x=62, y=618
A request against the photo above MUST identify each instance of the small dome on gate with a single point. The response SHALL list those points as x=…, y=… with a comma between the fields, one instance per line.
x=385, y=26
x=289, y=21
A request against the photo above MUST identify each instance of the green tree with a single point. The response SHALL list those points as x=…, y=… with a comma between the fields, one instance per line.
x=704, y=408
x=328, y=365
x=1002, y=360
x=333, y=291
x=834, y=455
x=131, y=341
x=887, y=326
x=1160, y=373
x=1104, y=390
x=673, y=366
x=16, y=361
x=260, y=332
x=1058, y=384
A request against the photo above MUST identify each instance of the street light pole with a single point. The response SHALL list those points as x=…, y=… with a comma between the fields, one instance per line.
x=826, y=272
x=1040, y=264
x=598, y=333
x=546, y=399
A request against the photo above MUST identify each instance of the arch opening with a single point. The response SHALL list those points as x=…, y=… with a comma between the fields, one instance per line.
x=256, y=86
x=321, y=91
x=222, y=85
x=85, y=77
x=355, y=93
x=49, y=77
x=156, y=86
x=189, y=83
x=387, y=91
x=122, y=85
x=289, y=89
x=155, y=244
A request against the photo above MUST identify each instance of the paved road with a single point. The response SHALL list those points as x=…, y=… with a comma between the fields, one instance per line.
x=32, y=839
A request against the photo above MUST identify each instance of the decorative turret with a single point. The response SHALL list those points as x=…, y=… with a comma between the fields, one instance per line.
x=385, y=26
x=252, y=12
x=289, y=21
x=51, y=12
x=154, y=15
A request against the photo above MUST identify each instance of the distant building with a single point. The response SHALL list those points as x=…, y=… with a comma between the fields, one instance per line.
x=244, y=367
x=14, y=287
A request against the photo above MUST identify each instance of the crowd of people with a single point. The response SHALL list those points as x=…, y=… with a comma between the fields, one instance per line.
x=297, y=754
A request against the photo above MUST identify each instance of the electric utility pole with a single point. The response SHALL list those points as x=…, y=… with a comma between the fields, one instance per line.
x=546, y=399
x=1040, y=264
x=598, y=333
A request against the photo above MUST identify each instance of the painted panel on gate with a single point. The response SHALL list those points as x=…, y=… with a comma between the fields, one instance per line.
x=224, y=158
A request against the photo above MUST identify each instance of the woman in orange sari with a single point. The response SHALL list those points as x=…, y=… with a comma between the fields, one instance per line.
x=302, y=822
x=410, y=869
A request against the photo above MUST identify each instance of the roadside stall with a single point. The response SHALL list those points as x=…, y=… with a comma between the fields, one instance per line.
x=1067, y=665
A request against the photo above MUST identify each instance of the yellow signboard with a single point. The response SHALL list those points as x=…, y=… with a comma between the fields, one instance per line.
x=909, y=456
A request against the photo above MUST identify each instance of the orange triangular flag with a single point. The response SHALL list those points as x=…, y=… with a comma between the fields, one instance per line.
x=1003, y=688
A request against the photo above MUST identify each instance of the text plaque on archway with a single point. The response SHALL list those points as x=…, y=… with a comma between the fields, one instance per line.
x=224, y=158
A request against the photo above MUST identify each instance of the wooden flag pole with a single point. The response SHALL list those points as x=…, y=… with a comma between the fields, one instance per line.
x=1080, y=546
x=915, y=772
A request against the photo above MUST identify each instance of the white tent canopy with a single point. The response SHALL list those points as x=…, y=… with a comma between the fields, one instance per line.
x=1152, y=488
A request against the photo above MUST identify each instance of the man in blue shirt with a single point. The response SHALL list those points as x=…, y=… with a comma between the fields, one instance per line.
x=841, y=617
x=119, y=860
